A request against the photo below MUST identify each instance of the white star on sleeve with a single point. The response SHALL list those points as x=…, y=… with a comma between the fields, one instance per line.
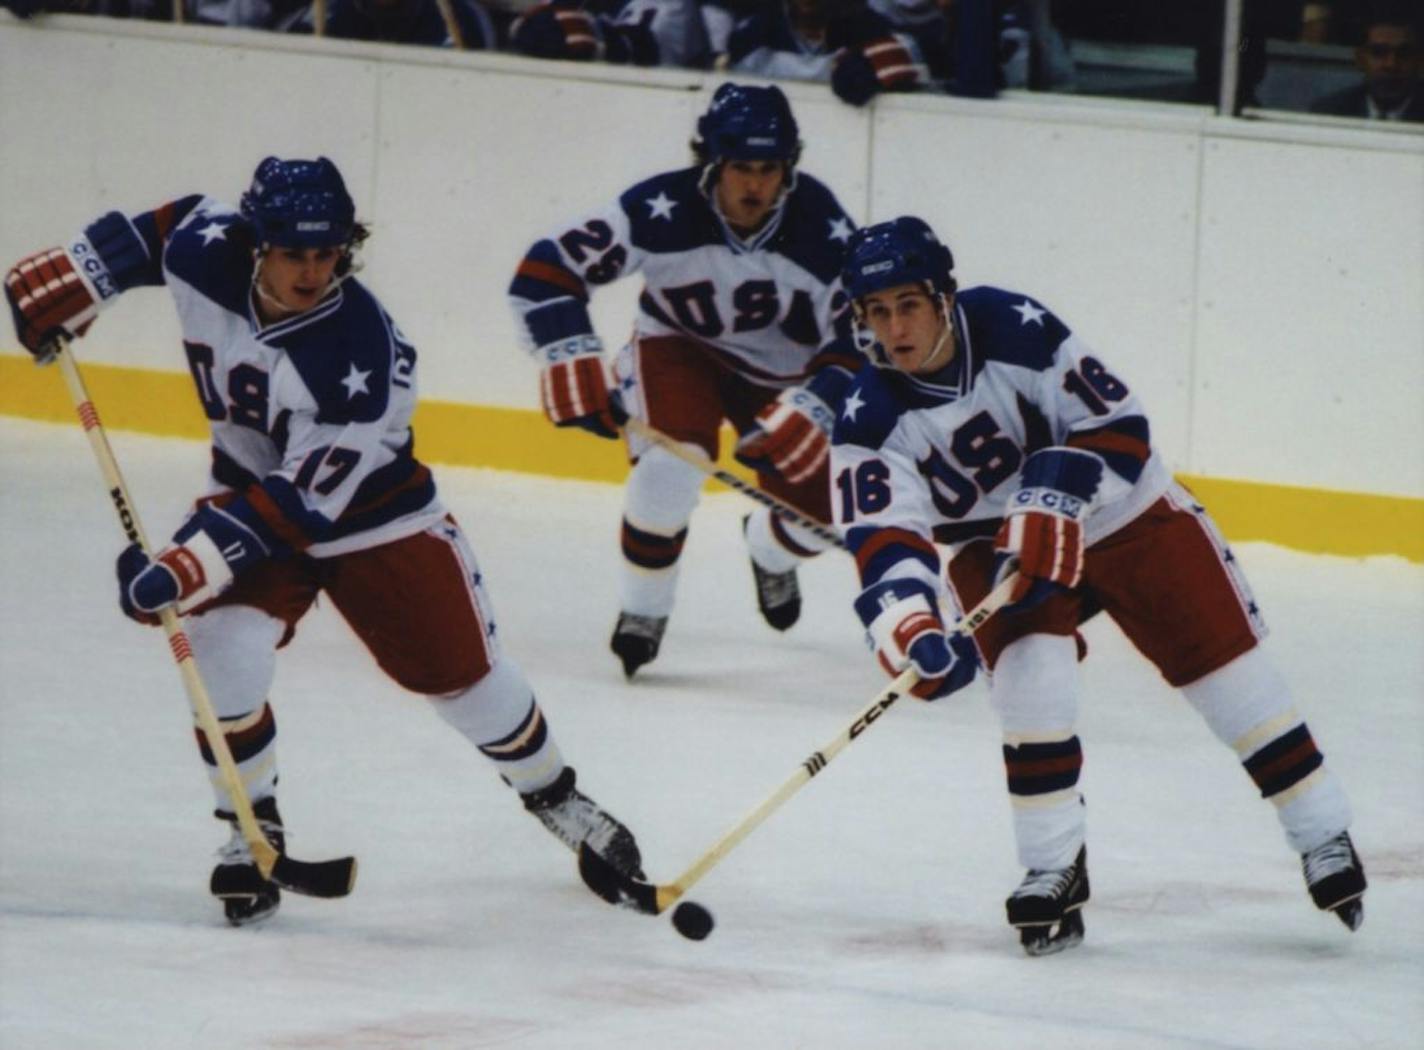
x=1028, y=312
x=840, y=229
x=355, y=381
x=662, y=206
x=853, y=404
x=213, y=231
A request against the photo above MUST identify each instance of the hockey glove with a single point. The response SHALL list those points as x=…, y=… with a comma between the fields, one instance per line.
x=1042, y=533
x=49, y=296
x=200, y=563
x=902, y=625
x=557, y=30
x=574, y=391
x=885, y=64
x=790, y=436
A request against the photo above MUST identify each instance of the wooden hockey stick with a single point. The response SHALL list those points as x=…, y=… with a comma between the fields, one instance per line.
x=652, y=899
x=819, y=529
x=452, y=23
x=327, y=878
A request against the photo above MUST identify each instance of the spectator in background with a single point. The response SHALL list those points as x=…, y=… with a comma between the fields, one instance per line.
x=633, y=32
x=1317, y=23
x=280, y=16
x=972, y=47
x=719, y=17
x=842, y=42
x=1389, y=57
x=411, y=22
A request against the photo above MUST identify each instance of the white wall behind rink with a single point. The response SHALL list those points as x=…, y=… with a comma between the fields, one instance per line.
x=1262, y=286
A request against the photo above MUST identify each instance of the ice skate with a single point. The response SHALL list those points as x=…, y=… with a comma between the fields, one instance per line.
x=1336, y=879
x=247, y=897
x=778, y=593
x=574, y=818
x=636, y=639
x=1046, y=908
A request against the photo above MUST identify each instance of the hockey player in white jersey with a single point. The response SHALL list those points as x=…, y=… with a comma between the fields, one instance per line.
x=308, y=386
x=991, y=428
x=740, y=319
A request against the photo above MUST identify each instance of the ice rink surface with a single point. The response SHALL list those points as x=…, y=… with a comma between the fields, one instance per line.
x=868, y=912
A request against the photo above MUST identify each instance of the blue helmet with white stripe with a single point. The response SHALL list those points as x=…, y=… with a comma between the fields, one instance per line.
x=300, y=204
x=889, y=254
x=748, y=123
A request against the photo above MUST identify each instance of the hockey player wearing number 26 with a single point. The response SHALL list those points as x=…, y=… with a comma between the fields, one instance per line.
x=308, y=387
x=991, y=428
x=740, y=318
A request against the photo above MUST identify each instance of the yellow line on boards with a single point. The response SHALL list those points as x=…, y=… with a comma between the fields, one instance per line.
x=163, y=403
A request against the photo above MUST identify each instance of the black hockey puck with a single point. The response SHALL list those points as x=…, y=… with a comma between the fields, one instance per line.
x=692, y=920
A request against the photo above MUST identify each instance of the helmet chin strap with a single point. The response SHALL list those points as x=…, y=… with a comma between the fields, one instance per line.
x=929, y=364
x=260, y=255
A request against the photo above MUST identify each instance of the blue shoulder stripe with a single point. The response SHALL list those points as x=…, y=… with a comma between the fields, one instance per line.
x=345, y=355
x=814, y=229
x=1009, y=328
x=668, y=213
x=869, y=412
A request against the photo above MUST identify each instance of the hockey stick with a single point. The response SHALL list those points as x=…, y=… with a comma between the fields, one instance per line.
x=327, y=878
x=452, y=24
x=652, y=899
x=819, y=529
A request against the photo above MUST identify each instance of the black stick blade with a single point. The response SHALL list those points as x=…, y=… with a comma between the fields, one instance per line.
x=615, y=887
x=319, y=878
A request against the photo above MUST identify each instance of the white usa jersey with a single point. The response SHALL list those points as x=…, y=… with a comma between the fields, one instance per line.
x=916, y=462
x=310, y=417
x=764, y=307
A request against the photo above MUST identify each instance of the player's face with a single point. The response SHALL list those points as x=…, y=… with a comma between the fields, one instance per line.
x=747, y=190
x=295, y=279
x=911, y=327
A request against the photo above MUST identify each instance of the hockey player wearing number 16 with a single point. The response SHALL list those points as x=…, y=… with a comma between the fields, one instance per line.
x=740, y=319
x=308, y=386
x=991, y=428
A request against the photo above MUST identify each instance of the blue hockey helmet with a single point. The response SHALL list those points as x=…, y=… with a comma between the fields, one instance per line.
x=747, y=123
x=901, y=251
x=300, y=204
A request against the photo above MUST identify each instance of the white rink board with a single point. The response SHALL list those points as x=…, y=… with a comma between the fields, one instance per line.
x=1322, y=312
x=1187, y=250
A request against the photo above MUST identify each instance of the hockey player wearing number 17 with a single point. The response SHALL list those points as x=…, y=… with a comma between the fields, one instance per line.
x=308, y=387
x=989, y=427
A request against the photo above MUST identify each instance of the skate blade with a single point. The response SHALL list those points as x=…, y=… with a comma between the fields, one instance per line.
x=1050, y=940
x=1351, y=913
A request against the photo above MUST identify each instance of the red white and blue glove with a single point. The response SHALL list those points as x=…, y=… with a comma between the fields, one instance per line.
x=557, y=30
x=201, y=562
x=1042, y=533
x=884, y=64
x=574, y=388
x=903, y=625
x=49, y=296
x=791, y=436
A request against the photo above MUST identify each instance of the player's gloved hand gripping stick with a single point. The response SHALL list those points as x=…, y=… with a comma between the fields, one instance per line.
x=634, y=425
x=653, y=899
x=328, y=878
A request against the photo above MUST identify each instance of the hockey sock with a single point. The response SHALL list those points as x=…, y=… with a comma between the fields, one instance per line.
x=661, y=494
x=236, y=646
x=1248, y=706
x=500, y=716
